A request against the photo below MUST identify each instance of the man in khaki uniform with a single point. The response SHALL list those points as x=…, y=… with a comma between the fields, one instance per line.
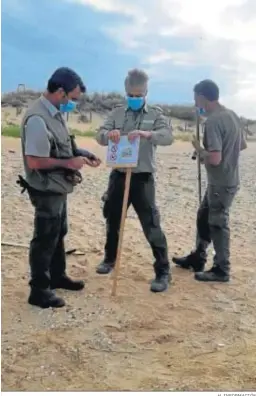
x=134, y=119
x=52, y=163
x=223, y=140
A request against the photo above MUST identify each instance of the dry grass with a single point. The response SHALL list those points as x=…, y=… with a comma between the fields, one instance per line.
x=14, y=131
x=11, y=128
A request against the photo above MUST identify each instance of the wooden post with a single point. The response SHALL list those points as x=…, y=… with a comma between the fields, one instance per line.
x=121, y=231
x=122, y=155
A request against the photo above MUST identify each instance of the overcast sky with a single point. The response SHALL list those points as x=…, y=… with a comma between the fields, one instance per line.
x=178, y=42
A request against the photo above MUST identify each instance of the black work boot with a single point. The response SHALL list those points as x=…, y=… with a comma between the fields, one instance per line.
x=105, y=267
x=45, y=298
x=64, y=282
x=162, y=279
x=196, y=261
x=215, y=274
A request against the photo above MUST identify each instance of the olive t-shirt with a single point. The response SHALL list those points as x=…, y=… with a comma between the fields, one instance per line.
x=223, y=133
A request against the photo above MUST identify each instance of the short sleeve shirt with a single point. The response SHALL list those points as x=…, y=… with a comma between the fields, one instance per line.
x=37, y=143
x=38, y=138
x=222, y=133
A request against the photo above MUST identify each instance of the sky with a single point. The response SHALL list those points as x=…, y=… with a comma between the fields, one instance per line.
x=177, y=42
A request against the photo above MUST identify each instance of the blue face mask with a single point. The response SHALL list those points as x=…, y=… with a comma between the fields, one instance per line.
x=200, y=110
x=67, y=107
x=134, y=103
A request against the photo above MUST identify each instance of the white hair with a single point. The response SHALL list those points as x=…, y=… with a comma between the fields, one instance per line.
x=136, y=78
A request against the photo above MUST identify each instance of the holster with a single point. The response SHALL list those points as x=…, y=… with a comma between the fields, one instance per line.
x=25, y=186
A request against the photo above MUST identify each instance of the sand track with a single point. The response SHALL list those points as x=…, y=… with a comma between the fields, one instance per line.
x=194, y=337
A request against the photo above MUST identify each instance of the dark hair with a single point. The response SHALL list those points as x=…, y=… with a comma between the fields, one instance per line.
x=66, y=79
x=208, y=89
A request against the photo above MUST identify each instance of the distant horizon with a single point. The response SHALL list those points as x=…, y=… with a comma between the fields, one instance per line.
x=184, y=104
x=189, y=104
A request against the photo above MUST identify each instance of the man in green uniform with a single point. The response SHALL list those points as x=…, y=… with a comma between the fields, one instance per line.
x=52, y=162
x=134, y=119
x=223, y=141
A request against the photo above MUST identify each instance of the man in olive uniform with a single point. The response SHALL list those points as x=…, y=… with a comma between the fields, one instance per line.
x=223, y=141
x=134, y=119
x=52, y=166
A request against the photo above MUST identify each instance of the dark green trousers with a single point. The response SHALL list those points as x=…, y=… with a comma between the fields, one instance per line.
x=142, y=197
x=213, y=224
x=47, y=252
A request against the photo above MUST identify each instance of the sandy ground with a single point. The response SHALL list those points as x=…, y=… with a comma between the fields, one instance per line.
x=193, y=337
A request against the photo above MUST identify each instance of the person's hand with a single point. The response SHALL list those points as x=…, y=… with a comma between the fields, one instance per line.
x=77, y=163
x=114, y=135
x=94, y=162
x=196, y=144
x=135, y=134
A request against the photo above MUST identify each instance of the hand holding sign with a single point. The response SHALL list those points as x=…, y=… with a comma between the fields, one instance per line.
x=137, y=133
x=114, y=135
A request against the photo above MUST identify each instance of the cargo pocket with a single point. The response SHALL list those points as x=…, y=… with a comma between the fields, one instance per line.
x=220, y=200
x=147, y=125
x=221, y=197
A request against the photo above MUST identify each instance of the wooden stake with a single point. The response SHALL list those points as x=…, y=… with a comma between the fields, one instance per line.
x=14, y=244
x=21, y=245
x=121, y=231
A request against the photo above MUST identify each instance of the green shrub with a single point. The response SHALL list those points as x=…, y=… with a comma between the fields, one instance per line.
x=88, y=133
x=14, y=131
x=11, y=131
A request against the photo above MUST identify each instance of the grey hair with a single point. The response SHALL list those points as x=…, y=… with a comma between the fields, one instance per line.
x=136, y=78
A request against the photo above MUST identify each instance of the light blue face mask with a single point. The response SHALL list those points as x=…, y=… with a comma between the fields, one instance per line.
x=67, y=107
x=135, y=103
x=200, y=111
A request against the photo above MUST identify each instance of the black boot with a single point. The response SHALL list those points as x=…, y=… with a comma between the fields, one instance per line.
x=105, y=267
x=215, y=274
x=196, y=261
x=162, y=279
x=64, y=282
x=45, y=298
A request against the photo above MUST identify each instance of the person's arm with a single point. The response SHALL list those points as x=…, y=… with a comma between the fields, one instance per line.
x=38, y=163
x=102, y=134
x=162, y=132
x=213, y=138
x=38, y=147
x=80, y=152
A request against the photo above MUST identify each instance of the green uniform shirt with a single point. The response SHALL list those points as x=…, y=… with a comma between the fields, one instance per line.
x=223, y=133
x=150, y=118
